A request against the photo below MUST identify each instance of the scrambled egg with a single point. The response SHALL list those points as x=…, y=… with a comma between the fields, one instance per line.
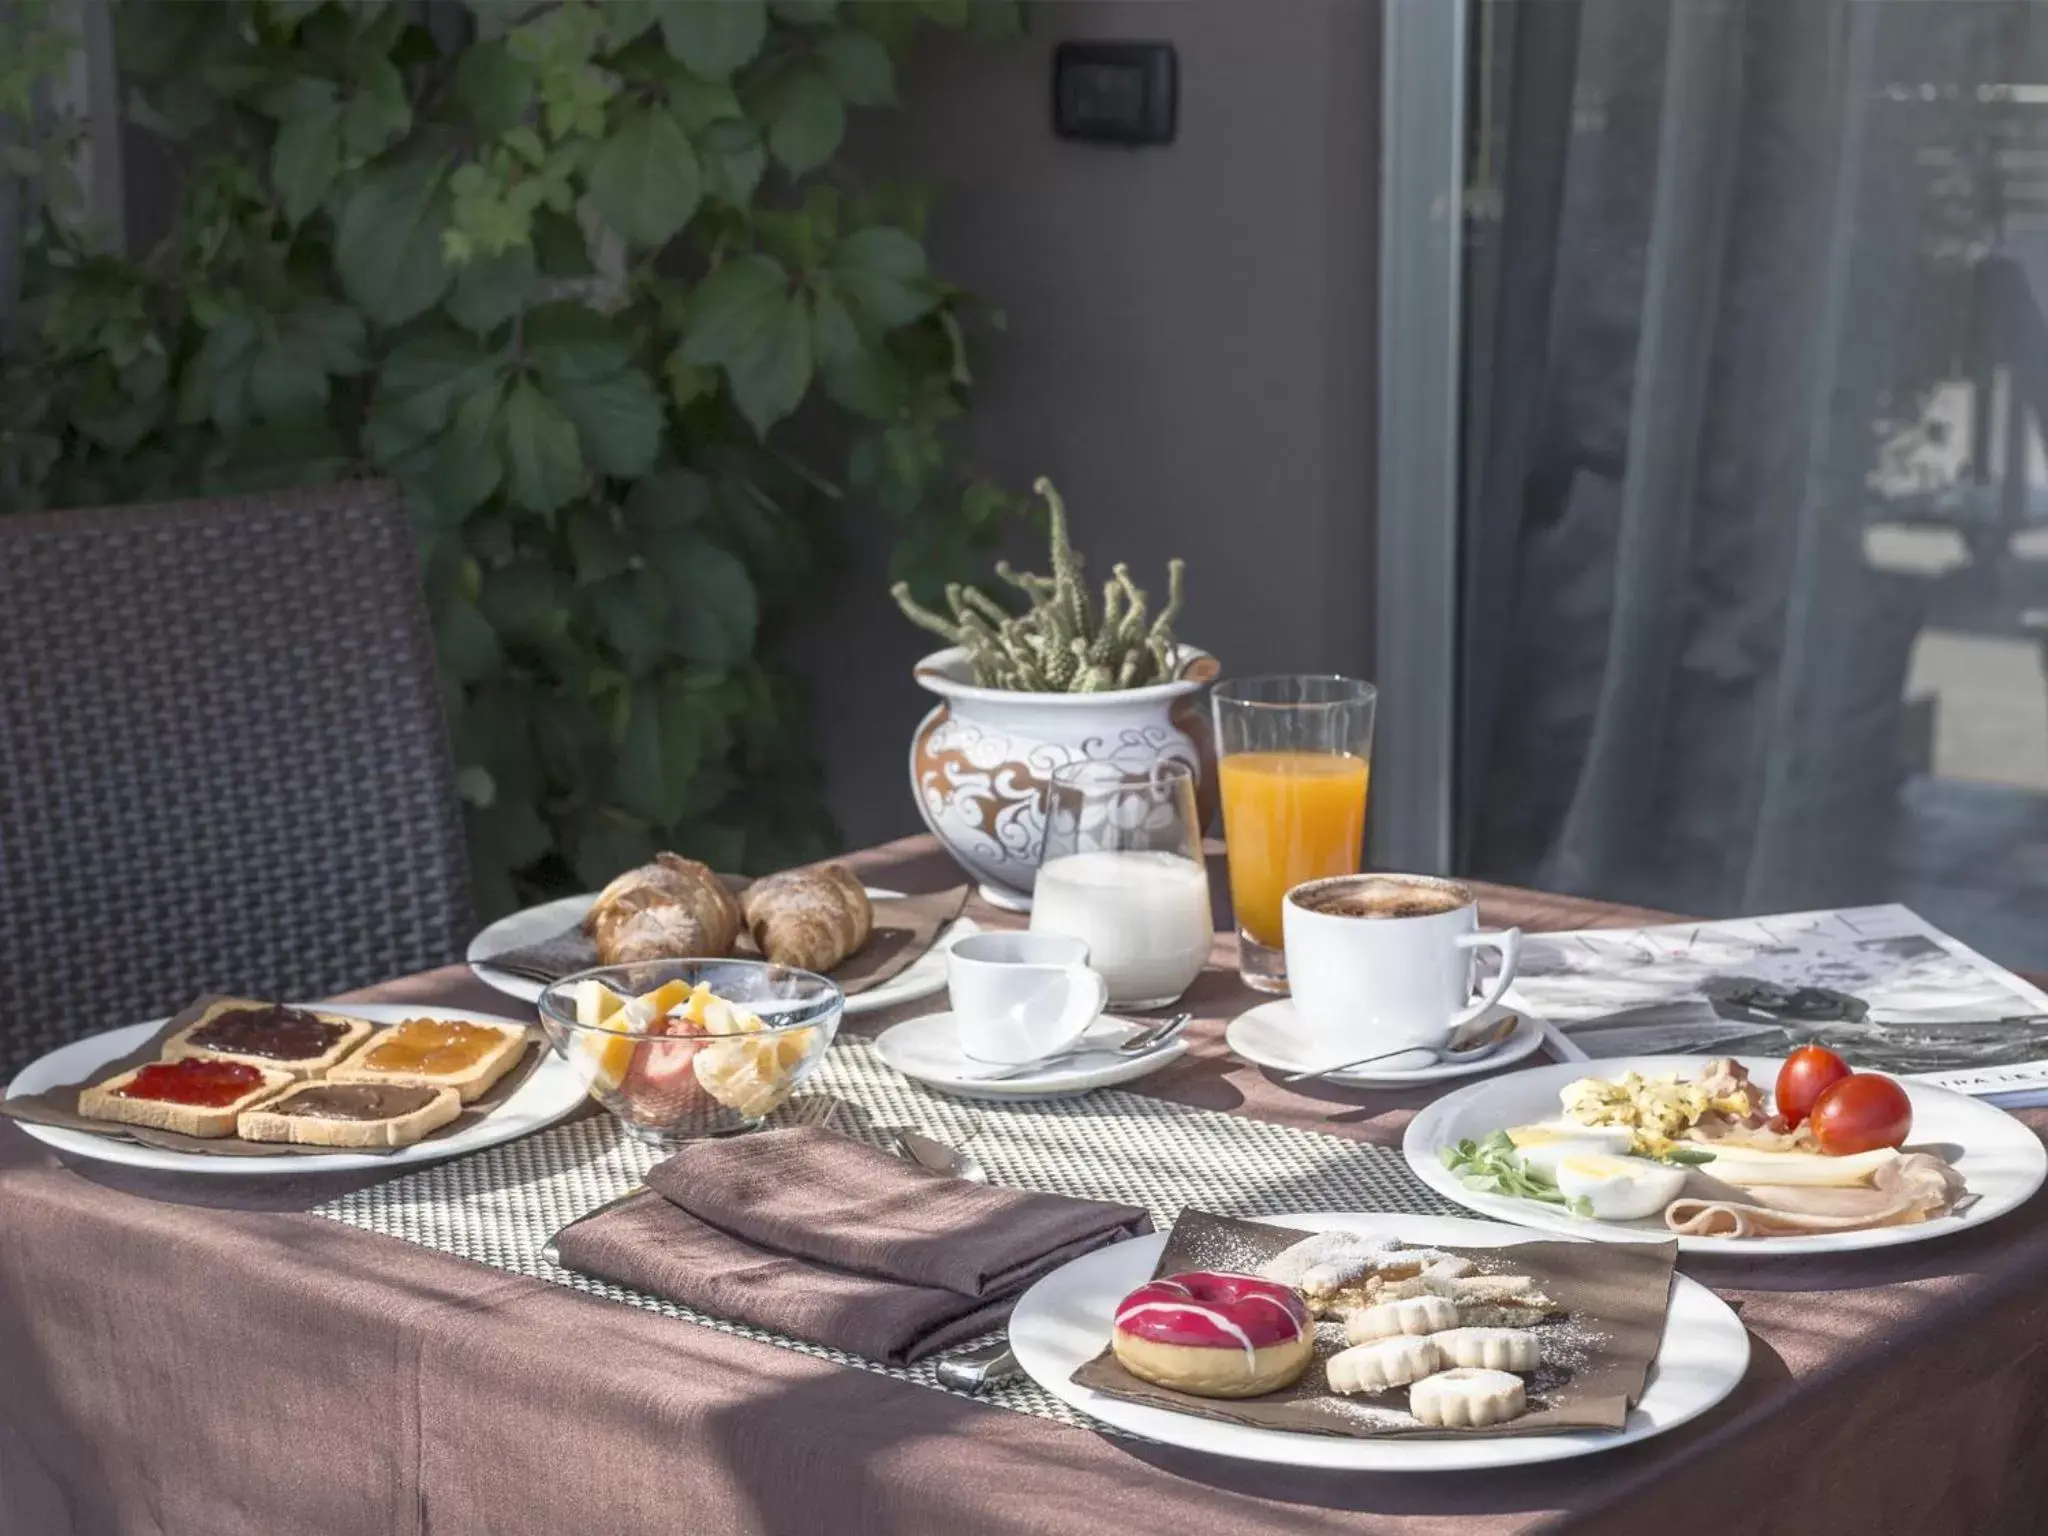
x=1655, y=1109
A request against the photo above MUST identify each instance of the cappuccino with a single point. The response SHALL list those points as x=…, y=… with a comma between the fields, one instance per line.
x=1382, y=896
x=1383, y=962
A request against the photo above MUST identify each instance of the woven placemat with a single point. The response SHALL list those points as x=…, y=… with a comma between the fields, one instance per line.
x=500, y=1206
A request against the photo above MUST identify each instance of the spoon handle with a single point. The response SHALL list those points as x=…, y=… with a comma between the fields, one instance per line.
x=980, y=1370
x=1346, y=1066
x=1147, y=1040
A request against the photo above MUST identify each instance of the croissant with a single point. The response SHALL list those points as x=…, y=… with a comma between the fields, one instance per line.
x=671, y=909
x=809, y=918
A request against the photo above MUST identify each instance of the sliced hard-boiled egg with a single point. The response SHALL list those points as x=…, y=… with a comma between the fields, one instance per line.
x=1743, y=1165
x=1618, y=1188
x=1543, y=1144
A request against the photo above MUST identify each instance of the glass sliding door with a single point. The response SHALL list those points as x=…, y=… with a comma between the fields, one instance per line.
x=1751, y=580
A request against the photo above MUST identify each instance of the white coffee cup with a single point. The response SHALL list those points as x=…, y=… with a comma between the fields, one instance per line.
x=1019, y=996
x=1375, y=962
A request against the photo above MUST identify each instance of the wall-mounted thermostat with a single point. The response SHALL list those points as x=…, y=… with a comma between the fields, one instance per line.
x=1115, y=93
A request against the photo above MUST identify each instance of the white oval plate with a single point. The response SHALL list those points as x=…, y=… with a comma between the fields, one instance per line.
x=1063, y=1322
x=921, y=978
x=549, y=1093
x=927, y=1050
x=1272, y=1036
x=2001, y=1161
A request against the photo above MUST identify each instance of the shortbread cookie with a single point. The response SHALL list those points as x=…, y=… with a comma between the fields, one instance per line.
x=1470, y=1287
x=1418, y=1315
x=1383, y=1364
x=1440, y=1279
x=1520, y=1312
x=1327, y=1260
x=1492, y=1349
x=1338, y=1272
x=1403, y=1290
x=1502, y=1301
x=1467, y=1399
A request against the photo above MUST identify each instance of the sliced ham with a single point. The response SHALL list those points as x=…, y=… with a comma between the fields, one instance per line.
x=1717, y=1130
x=1915, y=1187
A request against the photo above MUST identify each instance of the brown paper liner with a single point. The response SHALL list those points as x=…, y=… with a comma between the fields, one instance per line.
x=1615, y=1294
x=59, y=1106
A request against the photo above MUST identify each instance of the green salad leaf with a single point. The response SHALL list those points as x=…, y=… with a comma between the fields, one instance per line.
x=1492, y=1166
x=1686, y=1157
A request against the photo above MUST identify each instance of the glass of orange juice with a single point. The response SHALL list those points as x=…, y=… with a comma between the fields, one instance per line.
x=1294, y=755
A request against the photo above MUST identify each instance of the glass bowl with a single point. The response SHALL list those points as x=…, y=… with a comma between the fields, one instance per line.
x=673, y=1070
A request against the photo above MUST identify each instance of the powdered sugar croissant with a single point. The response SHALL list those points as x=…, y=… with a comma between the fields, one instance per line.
x=671, y=909
x=809, y=918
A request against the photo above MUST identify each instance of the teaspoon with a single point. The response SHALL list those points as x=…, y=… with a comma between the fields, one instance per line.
x=1469, y=1044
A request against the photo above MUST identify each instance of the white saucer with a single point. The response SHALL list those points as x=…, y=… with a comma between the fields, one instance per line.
x=927, y=1050
x=1273, y=1036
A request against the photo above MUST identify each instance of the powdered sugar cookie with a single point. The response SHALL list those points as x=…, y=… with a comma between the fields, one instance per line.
x=1467, y=1399
x=1383, y=1364
x=1492, y=1349
x=1417, y=1315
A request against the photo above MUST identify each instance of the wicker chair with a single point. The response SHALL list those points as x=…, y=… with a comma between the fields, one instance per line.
x=223, y=764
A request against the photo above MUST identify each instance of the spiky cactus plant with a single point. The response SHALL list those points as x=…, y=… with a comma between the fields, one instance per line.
x=1059, y=644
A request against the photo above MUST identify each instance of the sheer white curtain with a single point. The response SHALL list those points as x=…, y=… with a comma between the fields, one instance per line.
x=1727, y=230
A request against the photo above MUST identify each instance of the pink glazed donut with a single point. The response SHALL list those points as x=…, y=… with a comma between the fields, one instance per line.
x=1214, y=1335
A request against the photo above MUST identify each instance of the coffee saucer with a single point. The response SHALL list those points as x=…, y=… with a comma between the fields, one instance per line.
x=927, y=1050
x=1273, y=1036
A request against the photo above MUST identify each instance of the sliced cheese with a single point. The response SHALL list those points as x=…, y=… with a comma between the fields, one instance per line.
x=1742, y=1165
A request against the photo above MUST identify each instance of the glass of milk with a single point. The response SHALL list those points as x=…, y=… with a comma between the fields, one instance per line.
x=1122, y=871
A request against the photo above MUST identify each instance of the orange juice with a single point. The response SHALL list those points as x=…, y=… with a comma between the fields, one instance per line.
x=1288, y=817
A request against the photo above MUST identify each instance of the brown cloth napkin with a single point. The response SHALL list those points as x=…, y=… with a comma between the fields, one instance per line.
x=59, y=1106
x=1595, y=1360
x=905, y=927
x=810, y=1233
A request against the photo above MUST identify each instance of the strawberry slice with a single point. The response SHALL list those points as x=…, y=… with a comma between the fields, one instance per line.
x=660, y=1085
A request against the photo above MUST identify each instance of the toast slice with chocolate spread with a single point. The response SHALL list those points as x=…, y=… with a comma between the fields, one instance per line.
x=351, y=1115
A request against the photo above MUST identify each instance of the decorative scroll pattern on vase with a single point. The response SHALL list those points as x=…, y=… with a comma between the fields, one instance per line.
x=980, y=787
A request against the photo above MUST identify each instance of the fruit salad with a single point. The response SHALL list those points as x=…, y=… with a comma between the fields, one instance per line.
x=704, y=1044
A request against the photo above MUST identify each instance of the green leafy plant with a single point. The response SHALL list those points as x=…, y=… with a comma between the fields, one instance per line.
x=1059, y=644
x=567, y=281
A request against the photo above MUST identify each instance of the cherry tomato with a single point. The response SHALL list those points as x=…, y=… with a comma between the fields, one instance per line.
x=1807, y=1071
x=1859, y=1113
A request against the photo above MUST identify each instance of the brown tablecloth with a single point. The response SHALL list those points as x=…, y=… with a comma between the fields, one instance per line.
x=194, y=1357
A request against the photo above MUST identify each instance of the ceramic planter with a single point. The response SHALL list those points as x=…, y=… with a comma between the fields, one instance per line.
x=979, y=762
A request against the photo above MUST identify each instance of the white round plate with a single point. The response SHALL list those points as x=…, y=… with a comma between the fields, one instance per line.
x=549, y=1093
x=1272, y=1036
x=921, y=978
x=1063, y=1322
x=2001, y=1161
x=927, y=1050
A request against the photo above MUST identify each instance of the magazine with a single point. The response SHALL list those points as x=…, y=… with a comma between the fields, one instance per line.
x=1880, y=985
